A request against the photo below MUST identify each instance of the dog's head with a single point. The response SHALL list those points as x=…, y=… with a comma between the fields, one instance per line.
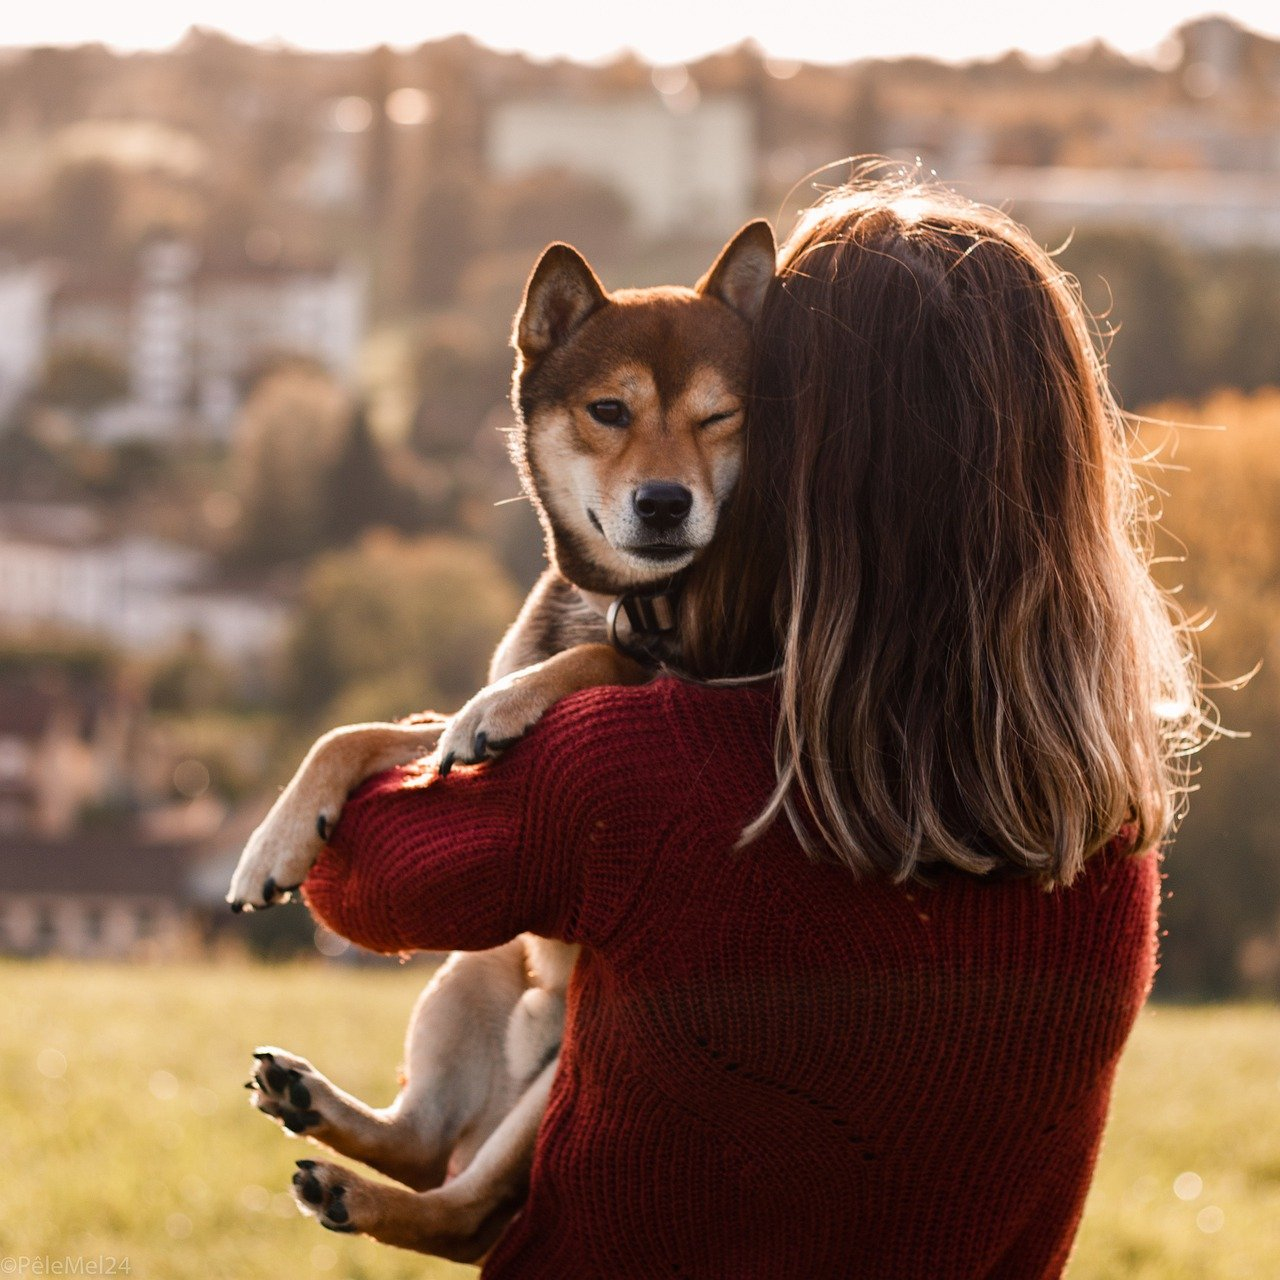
x=630, y=410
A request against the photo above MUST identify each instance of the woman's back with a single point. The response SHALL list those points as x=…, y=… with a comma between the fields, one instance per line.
x=771, y=1068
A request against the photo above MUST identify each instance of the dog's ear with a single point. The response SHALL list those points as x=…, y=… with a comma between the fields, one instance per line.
x=562, y=292
x=742, y=272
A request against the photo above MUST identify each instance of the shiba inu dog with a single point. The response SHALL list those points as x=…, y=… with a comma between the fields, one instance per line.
x=629, y=409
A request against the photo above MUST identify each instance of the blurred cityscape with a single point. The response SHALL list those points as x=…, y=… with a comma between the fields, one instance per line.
x=254, y=313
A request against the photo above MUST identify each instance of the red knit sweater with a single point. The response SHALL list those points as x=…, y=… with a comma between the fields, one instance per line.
x=771, y=1069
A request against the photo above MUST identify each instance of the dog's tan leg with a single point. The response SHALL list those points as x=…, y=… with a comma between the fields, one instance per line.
x=457, y=1083
x=460, y=1220
x=289, y=1089
x=506, y=710
x=282, y=850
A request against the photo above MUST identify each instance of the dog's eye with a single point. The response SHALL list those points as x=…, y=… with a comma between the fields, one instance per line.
x=610, y=413
x=723, y=416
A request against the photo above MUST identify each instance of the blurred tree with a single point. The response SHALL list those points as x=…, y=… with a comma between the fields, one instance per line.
x=864, y=123
x=442, y=242
x=30, y=470
x=287, y=440
x=394, y=626
x=82, y=378
x=1222, y=535
x=81, y=210
x=530, y=212
x=1143, y=287
x=360, y=492
x=310, y=473
x=190, y=679
x=1240, y=318
x=461, y=373
x=1027, y=142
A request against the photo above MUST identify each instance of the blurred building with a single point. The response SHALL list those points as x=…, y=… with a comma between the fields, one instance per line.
x=58, y=568
x=680, y=170
x=97, y=857
x=66, y=745
x=100, y=896
x=1222, y=210
x=189, y=335
x=24, y=317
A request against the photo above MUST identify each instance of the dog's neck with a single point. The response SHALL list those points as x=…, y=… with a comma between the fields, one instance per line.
x=595, y=601
x=642, y=624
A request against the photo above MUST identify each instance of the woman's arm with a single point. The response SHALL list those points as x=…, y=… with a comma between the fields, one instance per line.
x=470, y=861
x=465, y=862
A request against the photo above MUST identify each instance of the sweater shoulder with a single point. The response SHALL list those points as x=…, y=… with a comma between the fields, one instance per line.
x=667, y=712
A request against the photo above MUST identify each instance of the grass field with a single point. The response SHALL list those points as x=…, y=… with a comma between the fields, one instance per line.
x=124, y=1133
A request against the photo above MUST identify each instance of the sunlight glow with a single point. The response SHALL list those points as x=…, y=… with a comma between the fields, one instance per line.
x=672, y=31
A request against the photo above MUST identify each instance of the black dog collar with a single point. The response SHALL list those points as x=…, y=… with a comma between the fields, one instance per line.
x=649, y=616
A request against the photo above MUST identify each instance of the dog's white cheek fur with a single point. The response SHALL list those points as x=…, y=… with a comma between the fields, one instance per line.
x=570, y=486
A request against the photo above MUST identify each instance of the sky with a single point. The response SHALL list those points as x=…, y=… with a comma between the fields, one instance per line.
x=663, y=31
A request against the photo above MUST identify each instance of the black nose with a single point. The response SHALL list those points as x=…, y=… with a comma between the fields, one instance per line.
x=662, y=505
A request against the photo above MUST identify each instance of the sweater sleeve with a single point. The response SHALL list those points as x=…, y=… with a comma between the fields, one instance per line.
x=464, y=862
x=556, y=837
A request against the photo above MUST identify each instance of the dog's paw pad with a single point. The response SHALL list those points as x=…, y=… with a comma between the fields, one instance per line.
x=287, y=1088
x=320, y=1191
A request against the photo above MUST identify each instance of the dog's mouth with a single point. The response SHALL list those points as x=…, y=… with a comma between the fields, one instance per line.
x=659, y=552
x=653, y=552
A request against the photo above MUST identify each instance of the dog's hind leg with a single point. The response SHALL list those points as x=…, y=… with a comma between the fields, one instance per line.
x=460, y=1220
x=456, y=1089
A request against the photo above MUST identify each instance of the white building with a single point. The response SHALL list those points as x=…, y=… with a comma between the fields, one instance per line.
x=1219, y=210
x=24, y=322
x=189, y=335
x=676, y=168
x=143, y=594
x=239, y=317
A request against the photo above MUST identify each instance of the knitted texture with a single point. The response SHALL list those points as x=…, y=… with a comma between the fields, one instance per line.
x=771, y=1069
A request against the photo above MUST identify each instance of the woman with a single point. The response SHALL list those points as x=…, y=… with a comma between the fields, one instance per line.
x=862, y=940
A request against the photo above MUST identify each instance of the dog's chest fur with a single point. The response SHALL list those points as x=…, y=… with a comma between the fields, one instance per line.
x=556, y=617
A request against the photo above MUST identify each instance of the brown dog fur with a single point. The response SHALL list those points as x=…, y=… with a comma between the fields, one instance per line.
x=481, y=1047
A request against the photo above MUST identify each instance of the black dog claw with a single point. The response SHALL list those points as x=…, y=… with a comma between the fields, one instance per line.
x=329, y=1226
x=323, y=829
x=446, y=764
x=263, y=1056
x=305, y=1164
x=480, y=747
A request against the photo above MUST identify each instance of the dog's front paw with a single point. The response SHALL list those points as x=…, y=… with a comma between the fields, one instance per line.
x=337, y=1198
x=277, y=857
x=494, y=719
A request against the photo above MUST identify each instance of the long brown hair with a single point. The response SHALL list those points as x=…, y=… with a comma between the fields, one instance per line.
x=939, y=541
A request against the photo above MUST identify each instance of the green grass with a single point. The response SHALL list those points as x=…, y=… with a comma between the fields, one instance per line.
x=1199, y=1094
x=145, y=1147
x=124, y=1132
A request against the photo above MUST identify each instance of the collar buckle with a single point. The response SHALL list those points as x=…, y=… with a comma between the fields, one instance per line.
x=649, y=616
